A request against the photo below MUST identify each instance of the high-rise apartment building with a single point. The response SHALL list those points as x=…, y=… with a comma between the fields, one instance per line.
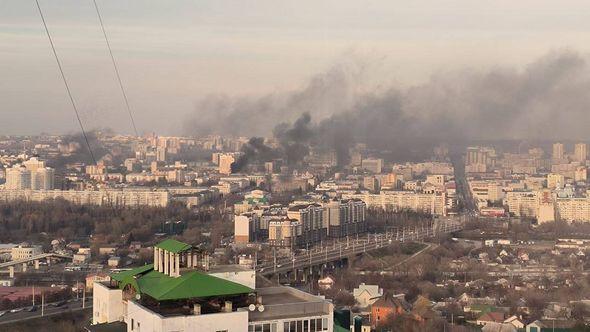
x=557, y=151
x=580, y=152
x=43, y=179
x=225, y=162
x=34, y=164
x=18, y=177
x=345, y=217
x=372, y=165
x=477, y=155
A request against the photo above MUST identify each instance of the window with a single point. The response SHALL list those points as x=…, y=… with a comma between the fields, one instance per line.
x=132, y=324
x=325, y=324
x=305, y=326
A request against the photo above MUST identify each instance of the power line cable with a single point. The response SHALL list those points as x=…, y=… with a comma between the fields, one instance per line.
x=115, y=67
x=63, y=76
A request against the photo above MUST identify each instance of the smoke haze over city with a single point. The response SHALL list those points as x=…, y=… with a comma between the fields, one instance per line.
x=188, y=66
x=543, y=100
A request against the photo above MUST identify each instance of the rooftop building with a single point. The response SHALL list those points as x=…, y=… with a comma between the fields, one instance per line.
x=175, y=293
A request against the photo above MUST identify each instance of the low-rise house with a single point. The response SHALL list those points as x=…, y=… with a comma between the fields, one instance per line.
x=492, y=316
x=498, y=327
x=556, y=310
x=114, y=261
x=365, y=295
x=107, y=250
x=326, y=283
x=515, y=321
x=551, y=325
x=384, y=308
x=81, y=258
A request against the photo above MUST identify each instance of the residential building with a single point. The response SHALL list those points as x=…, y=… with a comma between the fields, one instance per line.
x=25, y=252
x=18, y=178
x=311, y=218
x=385, y=308
x=555, y=181
x=432, y=203
x=373, y=165
x=225, y=162
x=580, y=152
x=365, y=295
x=345, y=217
x=558, y=153
x=176, y=294
x=115, y=197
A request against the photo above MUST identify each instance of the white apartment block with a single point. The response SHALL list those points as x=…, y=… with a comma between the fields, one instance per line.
x=129, y=198
x=434, y=203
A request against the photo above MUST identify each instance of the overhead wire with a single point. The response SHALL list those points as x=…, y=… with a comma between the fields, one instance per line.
x=115, y=67
x=63, y=77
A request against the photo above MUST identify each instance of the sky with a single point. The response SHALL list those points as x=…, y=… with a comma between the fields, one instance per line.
x=172, y=54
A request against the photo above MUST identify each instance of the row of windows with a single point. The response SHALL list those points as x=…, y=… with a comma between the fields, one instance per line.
x=303, y=325
x=306, y=325
x=264, y=327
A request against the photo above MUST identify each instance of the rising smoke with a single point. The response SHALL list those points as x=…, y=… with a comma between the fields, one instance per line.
x=547, y=99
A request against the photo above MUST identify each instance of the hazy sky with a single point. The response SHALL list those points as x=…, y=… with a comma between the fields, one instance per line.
x=173, y=53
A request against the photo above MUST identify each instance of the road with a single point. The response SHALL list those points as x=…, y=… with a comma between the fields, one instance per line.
x=344, y=249
x=50, y=310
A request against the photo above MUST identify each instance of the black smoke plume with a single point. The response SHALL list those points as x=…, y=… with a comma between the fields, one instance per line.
x=547, y=99
x=254, y=151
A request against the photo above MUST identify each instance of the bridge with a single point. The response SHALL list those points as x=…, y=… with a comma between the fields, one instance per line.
x=35, y=259
x=343, y=249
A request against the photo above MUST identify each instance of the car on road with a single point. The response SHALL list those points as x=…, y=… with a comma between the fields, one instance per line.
x=32, y=308
x=2, y=313
x=16, y=310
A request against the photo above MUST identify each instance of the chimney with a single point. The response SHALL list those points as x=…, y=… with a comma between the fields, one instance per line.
x=228, y=306
x=196, y=309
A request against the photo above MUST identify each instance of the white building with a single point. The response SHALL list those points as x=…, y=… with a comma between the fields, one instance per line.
x=25, y=252
x=115, y=197
x=365, y=295
x=174, y=295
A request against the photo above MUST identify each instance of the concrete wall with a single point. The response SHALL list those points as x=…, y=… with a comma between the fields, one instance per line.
x=246, y=278
x=144, y=320
x=107, y=304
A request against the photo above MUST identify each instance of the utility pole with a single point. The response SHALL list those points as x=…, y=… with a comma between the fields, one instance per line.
x=42, y=303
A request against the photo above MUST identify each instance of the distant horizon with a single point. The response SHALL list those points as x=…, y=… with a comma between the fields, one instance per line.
x=174, y=58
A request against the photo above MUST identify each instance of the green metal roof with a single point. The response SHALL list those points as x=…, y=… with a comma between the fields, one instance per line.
x=131, y=273
x=193, y=284
x=173, y=246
